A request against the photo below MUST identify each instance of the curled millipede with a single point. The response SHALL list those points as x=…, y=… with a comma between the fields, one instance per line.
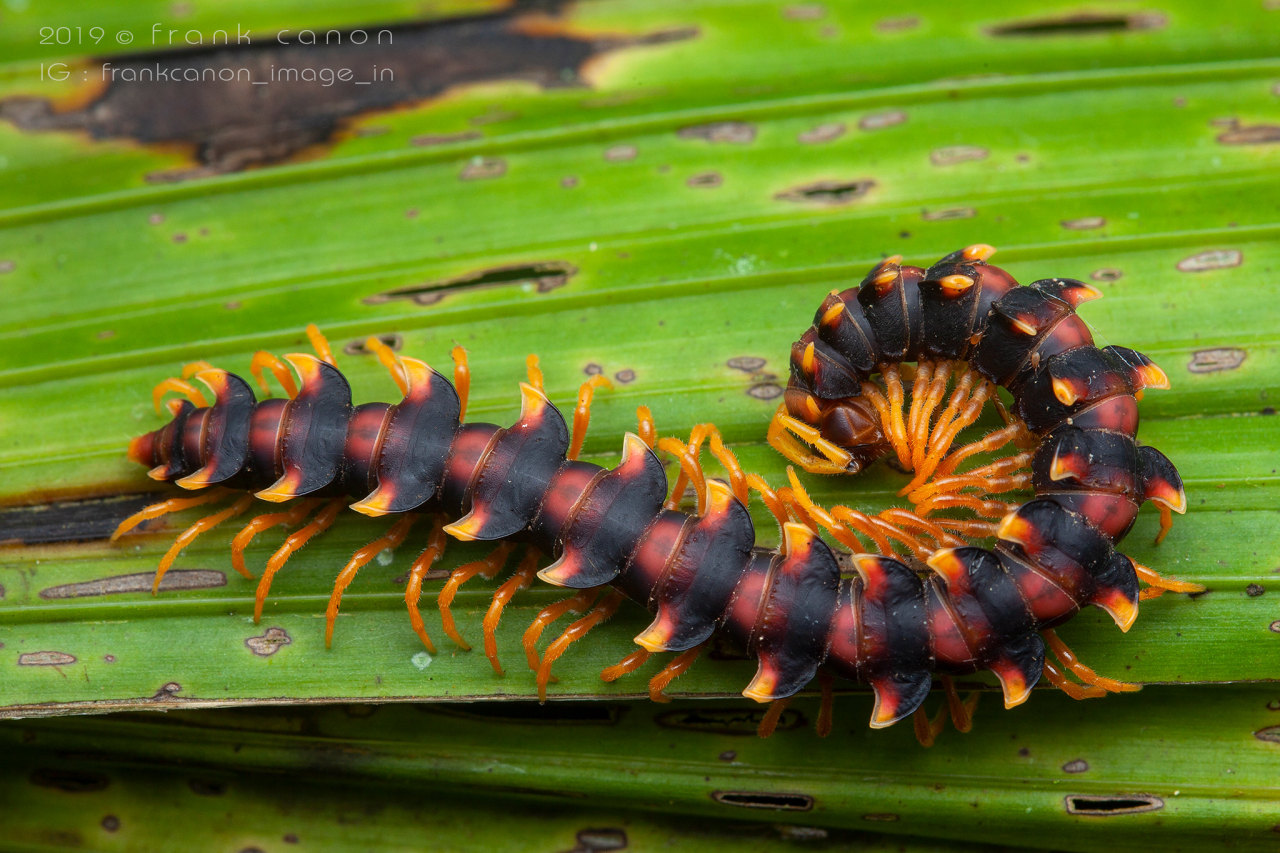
x=926, y=603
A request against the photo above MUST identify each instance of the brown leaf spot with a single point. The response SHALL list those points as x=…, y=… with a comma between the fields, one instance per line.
x=1271, y=734
x=898, y=24
x=357, y=346
x=427, y=140
x=944, y=213
x=483, y=168
x=597, y=840
x=764, y=800
x=952, y=154
x=175, y=579
x=746, y=363
x=569, y=181
x=765, y=391
x=1214, y=259
x=1079, y=765
x=804, y=12
x=706, y=180
x=269, y=642
x=1274, y=627
x=155, y=219
x=1256, y=134
x=828, y=193
x=881, y=817
x=1254, y=590
x=822, y=133
x=1107, y=274
x=879, y=121
x=1106, y=805
x=1084, y=223
x=105, y=334
x=206, y=787
x=544, y=275
x=592, y=369
x=229, y=124
x=1216, y=360
x=1081, y=24
x=167, y=691
x=46, y=659
x=625, y=376
x=110, y=823
x=733, y=132
x=618, y=153
x=179, y=237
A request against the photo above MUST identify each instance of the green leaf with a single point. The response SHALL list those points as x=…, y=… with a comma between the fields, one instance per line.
x=668, y=206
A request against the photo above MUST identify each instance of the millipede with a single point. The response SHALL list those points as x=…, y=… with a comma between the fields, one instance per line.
x=919, y=600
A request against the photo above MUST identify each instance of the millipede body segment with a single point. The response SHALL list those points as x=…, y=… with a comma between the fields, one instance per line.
x=893, y=624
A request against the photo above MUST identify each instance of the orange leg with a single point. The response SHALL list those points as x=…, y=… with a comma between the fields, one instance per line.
x=826, y=683
x=191, y=368
x=1002, y=475
x=841, y=522
x=485, y=566
x=582, y=414
x=919, y=391
x=389, y=361
x=535, y=372
x=897, y=427
x=970, y=528
x=322, y=522
x=436, y=542
x=960, y=394
x=785, y=434
x=726, y=457
x=942, y=437
x=645, y=427
x=523, y=577
x=1166, y=522
x=576, y=631
x=164, y=508
x=927, y=728
x=769, y=722
x=549, y=614
x=320, y=344
x=690, y=467
x=261, y=523
x=988, y=509
x=1015, y=433
x=1058, y=679
x=1157, y=584
x=905, y=518
x=461, y=378
x=769, y=497
x=937, y=388
x=188, y=390
x=391, y=539
x=671, y=672
x=961, y=711
x=627, y=665
x=188, y=536
x=263, y=361
x=1082, y=672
